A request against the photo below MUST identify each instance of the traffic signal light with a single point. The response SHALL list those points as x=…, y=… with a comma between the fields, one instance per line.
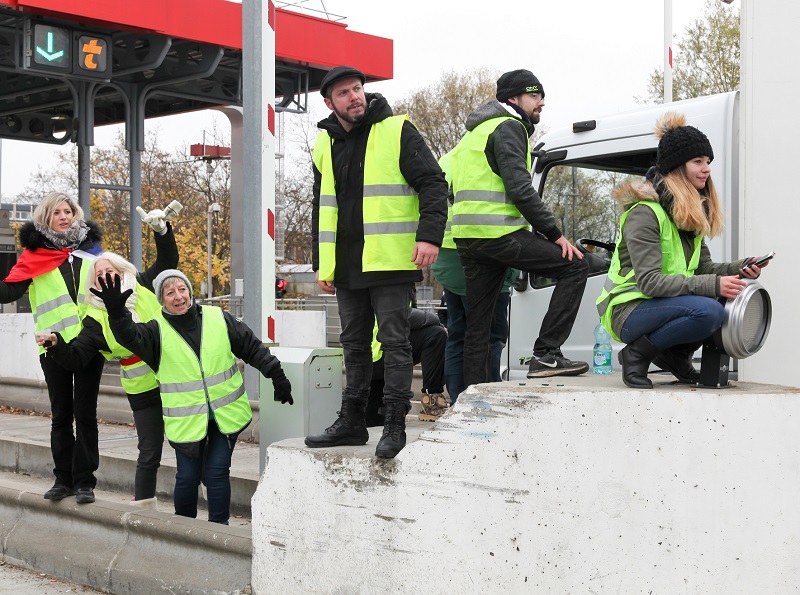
x=280, y=288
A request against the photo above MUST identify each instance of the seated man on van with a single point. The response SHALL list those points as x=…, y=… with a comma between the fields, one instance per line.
x=427, y=338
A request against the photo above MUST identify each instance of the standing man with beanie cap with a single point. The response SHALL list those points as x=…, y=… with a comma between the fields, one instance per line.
x=192, y=350
x=494, y=207
x=379, y=211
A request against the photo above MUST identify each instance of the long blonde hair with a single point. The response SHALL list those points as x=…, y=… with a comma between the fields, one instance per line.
x=694, y=210
x=43, y=212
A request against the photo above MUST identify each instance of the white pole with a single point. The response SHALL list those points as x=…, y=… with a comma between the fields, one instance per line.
x=667, y=51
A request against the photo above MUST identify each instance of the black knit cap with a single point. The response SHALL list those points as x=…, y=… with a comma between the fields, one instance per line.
x=680, y=145
x=517, y=82
x=338, y=73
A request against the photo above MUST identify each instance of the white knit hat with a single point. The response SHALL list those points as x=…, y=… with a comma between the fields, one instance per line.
x=158, y=283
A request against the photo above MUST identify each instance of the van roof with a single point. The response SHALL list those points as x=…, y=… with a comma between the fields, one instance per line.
x=706, y=113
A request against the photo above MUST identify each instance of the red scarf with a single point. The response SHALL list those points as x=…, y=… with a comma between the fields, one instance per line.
x=33, y=263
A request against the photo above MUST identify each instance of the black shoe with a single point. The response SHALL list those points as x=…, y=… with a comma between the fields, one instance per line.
x=635, y=359
x=84, y=495
x=58, y=492
x=555, y=364
x=349, y=429
x=678, y=362
x=394, y=432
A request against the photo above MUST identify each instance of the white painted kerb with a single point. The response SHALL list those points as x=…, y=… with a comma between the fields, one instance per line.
x=583, y=488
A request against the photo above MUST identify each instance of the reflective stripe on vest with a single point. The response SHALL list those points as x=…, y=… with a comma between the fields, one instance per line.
x=482, y=209
x=52, y=305
x=190, y=385
x=390, y=204
x=621, y=289
x=135, y=376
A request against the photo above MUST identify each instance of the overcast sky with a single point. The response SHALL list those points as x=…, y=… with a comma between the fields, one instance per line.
x=593, y=57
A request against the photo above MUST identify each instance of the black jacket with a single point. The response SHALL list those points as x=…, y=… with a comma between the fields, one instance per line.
x=144, y=338
x=78, y=352
x=31, y=239
x=418, y=167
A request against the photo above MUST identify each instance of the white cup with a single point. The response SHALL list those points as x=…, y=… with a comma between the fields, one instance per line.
x=43, y=336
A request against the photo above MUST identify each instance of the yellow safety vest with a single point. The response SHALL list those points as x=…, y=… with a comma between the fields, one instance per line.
x=192, y=388
x=52, y=305
x=390, y=204
x=622, y=289
x=482, y=209
x=447, y=165
x=135, y=375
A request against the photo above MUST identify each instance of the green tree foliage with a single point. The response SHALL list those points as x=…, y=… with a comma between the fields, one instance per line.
x=440, y=110
x=707, y=57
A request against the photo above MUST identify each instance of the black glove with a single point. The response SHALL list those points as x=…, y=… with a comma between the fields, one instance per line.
x=112, y=297
x=282, y=386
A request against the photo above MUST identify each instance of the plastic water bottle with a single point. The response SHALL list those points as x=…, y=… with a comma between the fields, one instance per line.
x=602, y=350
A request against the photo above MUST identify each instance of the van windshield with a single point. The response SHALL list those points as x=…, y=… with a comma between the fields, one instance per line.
x=578, y=193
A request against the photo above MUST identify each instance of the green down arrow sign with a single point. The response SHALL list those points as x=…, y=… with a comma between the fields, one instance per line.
x=51, y=45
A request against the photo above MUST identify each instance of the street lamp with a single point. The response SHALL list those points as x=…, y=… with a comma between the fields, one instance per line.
x=213, y=212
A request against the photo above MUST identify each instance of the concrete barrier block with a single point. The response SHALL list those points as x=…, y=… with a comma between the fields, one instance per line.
x=118, y=550
x=565, y=488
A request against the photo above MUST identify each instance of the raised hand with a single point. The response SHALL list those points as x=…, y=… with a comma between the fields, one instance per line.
x=110, y=292
x=156, y=219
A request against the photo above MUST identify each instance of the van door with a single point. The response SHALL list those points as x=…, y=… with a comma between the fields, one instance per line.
x=577, y=189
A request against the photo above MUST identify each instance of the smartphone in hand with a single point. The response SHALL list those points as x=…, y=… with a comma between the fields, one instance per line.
x=761, y=260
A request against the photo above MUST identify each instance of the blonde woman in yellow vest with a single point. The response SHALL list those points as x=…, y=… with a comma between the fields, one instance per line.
x=193, y=349
x=137, y=379
x=58, y=244
x=379, y=211
x=662, y=292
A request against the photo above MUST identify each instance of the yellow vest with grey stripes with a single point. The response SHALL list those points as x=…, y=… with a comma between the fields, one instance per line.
x=136, y=377
x=621, y=289
x=53, y=307
x=192, y=389
x=482, y=209
x=390, y=204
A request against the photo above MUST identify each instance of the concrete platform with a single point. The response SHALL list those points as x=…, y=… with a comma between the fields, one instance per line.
x=561, y=485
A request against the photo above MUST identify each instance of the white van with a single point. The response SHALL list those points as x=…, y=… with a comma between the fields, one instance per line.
x=575, y=170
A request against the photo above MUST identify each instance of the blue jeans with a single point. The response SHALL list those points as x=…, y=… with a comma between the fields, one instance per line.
x=674, y=320
x=454, y=348
x=358, y=311
x=213, y=468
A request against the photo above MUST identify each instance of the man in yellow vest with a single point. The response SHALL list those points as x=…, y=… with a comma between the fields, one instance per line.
x=495, y=205
x=379, y=211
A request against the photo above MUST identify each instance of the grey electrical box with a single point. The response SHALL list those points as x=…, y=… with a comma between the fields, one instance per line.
x=316, y=377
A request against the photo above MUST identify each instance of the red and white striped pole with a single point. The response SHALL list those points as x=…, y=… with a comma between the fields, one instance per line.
x=268, y=172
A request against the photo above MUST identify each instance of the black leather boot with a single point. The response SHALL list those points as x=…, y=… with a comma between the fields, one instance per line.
x=677, y=360
x=635, y=359
x=394, y=431
x=349, y=429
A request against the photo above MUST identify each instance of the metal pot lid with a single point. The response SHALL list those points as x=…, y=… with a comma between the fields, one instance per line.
x=747, y=321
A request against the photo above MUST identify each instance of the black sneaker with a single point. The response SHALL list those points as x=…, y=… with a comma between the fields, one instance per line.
x=555, y=364
x=58, y=492
x=84, y=495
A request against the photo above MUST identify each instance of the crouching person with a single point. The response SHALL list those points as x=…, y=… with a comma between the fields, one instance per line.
x=193, y=349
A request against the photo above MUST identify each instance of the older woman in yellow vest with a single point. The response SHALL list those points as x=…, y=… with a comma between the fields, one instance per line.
x=193, y=349
x=58, y=244
x=138, y=380
x=663, y=289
